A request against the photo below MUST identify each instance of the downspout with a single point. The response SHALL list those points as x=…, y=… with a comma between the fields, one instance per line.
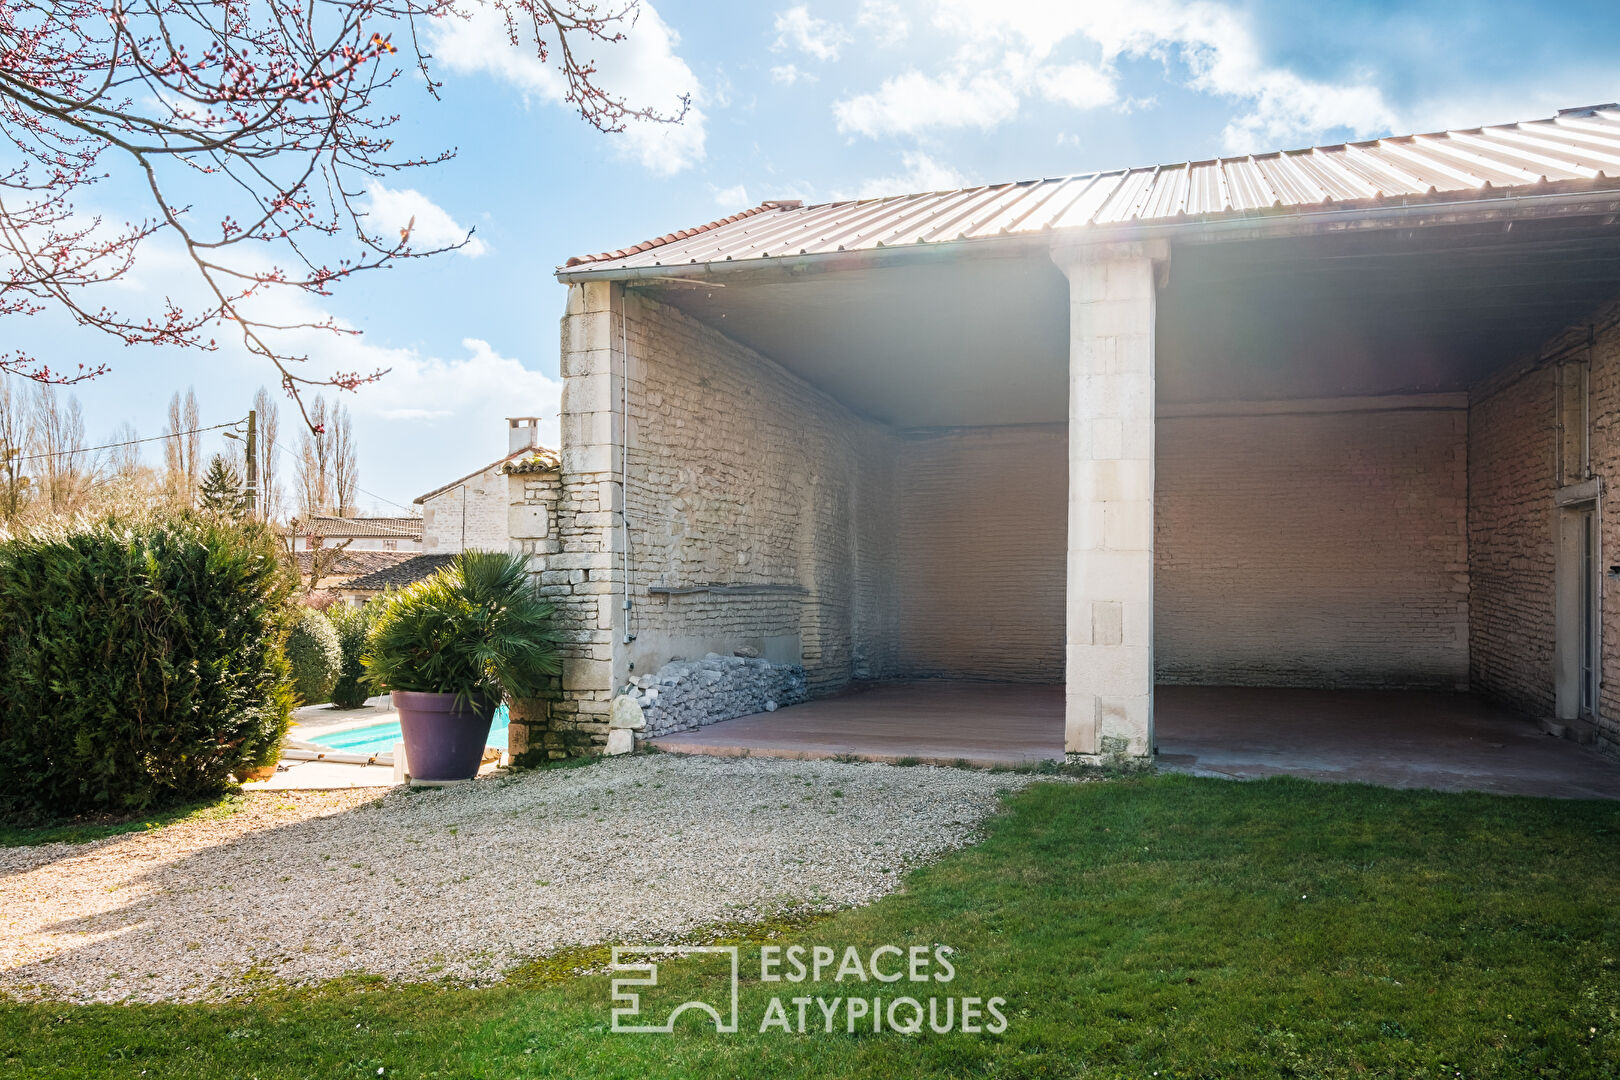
x=624, y=456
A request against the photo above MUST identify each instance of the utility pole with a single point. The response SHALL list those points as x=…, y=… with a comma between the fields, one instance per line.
x=251, y=491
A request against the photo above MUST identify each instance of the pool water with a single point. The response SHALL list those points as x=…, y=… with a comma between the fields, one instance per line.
x=380, y=738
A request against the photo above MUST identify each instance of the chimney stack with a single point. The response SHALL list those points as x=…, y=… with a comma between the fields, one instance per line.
x=522, y=432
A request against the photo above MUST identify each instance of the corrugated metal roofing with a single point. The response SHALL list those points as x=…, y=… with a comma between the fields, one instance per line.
x=1577, y=144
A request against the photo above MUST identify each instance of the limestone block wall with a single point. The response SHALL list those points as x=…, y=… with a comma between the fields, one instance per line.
x=1313, y=544
x=746, y=489
x=982, y=537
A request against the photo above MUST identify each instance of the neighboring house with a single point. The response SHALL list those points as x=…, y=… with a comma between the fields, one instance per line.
x=395, y=574
x=349, y=564
x=360, y=533
x=506, y=505
x=1339, y=417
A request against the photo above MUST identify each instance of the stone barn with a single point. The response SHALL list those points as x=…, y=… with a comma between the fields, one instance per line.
x=1335, y=421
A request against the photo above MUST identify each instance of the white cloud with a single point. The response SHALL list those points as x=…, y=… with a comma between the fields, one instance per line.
x=644, y=69
x=797, y=28
x=788, y=74
x=431, y=225
x=1216, y=48
x=477, y=390
x=920, y=173
x=914, y=102
x=884, y=21
x=1080, y=86
x=732, y=198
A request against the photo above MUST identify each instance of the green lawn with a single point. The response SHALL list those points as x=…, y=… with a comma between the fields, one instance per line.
x=1166, y=926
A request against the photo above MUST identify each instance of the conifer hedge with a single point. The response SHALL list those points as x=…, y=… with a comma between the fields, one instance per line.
x=140, y=664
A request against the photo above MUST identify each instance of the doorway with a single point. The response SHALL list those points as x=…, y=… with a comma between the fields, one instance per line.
x=1579, y=652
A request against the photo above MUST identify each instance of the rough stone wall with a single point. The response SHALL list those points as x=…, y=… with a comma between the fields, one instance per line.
x=486, y=500
x=743, y=476
x=1512, y=551
x=1324, y=548
x=981, y=553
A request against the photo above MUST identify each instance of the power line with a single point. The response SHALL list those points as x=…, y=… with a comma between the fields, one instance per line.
x=131, y=442
x=285, y=450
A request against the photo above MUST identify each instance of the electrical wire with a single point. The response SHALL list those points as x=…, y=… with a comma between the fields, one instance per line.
x=131, y=442
x=286, y=450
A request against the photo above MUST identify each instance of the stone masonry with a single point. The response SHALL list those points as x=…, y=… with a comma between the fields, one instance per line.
x=686, y=694
x=1109, y=639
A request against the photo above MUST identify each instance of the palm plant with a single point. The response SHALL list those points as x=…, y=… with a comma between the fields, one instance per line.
x=477, y=629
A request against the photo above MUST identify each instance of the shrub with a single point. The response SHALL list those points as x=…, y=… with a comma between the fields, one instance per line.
x=315, y=655
x=476, y=629
x=140, y=664
x=353, y=623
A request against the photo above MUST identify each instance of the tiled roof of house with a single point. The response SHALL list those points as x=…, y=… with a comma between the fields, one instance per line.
x=501, y=464
x=1576, y=151
x=408, y=570
x=537, y=460
x=332, y=527
x=353, y=563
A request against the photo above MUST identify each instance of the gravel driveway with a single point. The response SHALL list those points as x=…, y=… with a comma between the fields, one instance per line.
x=464, y=882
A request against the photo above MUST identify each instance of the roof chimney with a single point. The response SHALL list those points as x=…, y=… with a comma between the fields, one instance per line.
x=522, y=432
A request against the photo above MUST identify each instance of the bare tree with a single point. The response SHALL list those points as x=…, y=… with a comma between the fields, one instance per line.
x=57, y=449
x=174, y=449
x=16, y=436
x=182, y=445
x=123, y=456
x=192, y=443
x=315, y=462
x=250, y=131
x=345, y=461
x=269, y=424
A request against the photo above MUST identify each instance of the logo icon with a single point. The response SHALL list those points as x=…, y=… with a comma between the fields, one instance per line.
x=641, y=961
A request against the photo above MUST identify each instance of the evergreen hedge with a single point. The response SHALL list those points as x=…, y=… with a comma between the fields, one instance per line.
x=315, y=655
x=353, y=624
x=140, y=664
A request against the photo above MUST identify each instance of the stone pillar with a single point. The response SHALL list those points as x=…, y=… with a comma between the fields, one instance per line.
x=1108, y=710
x=583, y=571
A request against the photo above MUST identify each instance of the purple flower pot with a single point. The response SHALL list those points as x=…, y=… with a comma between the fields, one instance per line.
x=443, y=742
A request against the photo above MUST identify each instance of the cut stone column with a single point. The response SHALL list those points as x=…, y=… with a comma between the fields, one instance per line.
x=1108, y=709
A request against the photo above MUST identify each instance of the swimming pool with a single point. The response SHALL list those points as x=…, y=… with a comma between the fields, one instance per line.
x=380, y=738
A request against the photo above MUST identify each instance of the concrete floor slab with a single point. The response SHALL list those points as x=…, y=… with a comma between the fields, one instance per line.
x=1450, y=742
x=324, y=776
x=937, y=722
x=1404, y=739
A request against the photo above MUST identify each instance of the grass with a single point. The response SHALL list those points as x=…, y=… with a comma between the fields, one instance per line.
x=86, y=831
x=1168, y=927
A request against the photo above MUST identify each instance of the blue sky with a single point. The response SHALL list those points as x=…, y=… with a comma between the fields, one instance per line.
x=820, y=100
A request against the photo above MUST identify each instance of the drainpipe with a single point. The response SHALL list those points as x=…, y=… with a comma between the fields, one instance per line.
x=624, y=456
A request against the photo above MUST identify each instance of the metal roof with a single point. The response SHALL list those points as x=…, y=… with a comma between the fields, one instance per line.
x=1576, y=145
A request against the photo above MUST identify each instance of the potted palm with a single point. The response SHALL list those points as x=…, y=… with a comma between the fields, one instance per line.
x=449, y=647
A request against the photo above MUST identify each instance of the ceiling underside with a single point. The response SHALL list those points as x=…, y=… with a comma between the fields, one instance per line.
x=952, y=340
